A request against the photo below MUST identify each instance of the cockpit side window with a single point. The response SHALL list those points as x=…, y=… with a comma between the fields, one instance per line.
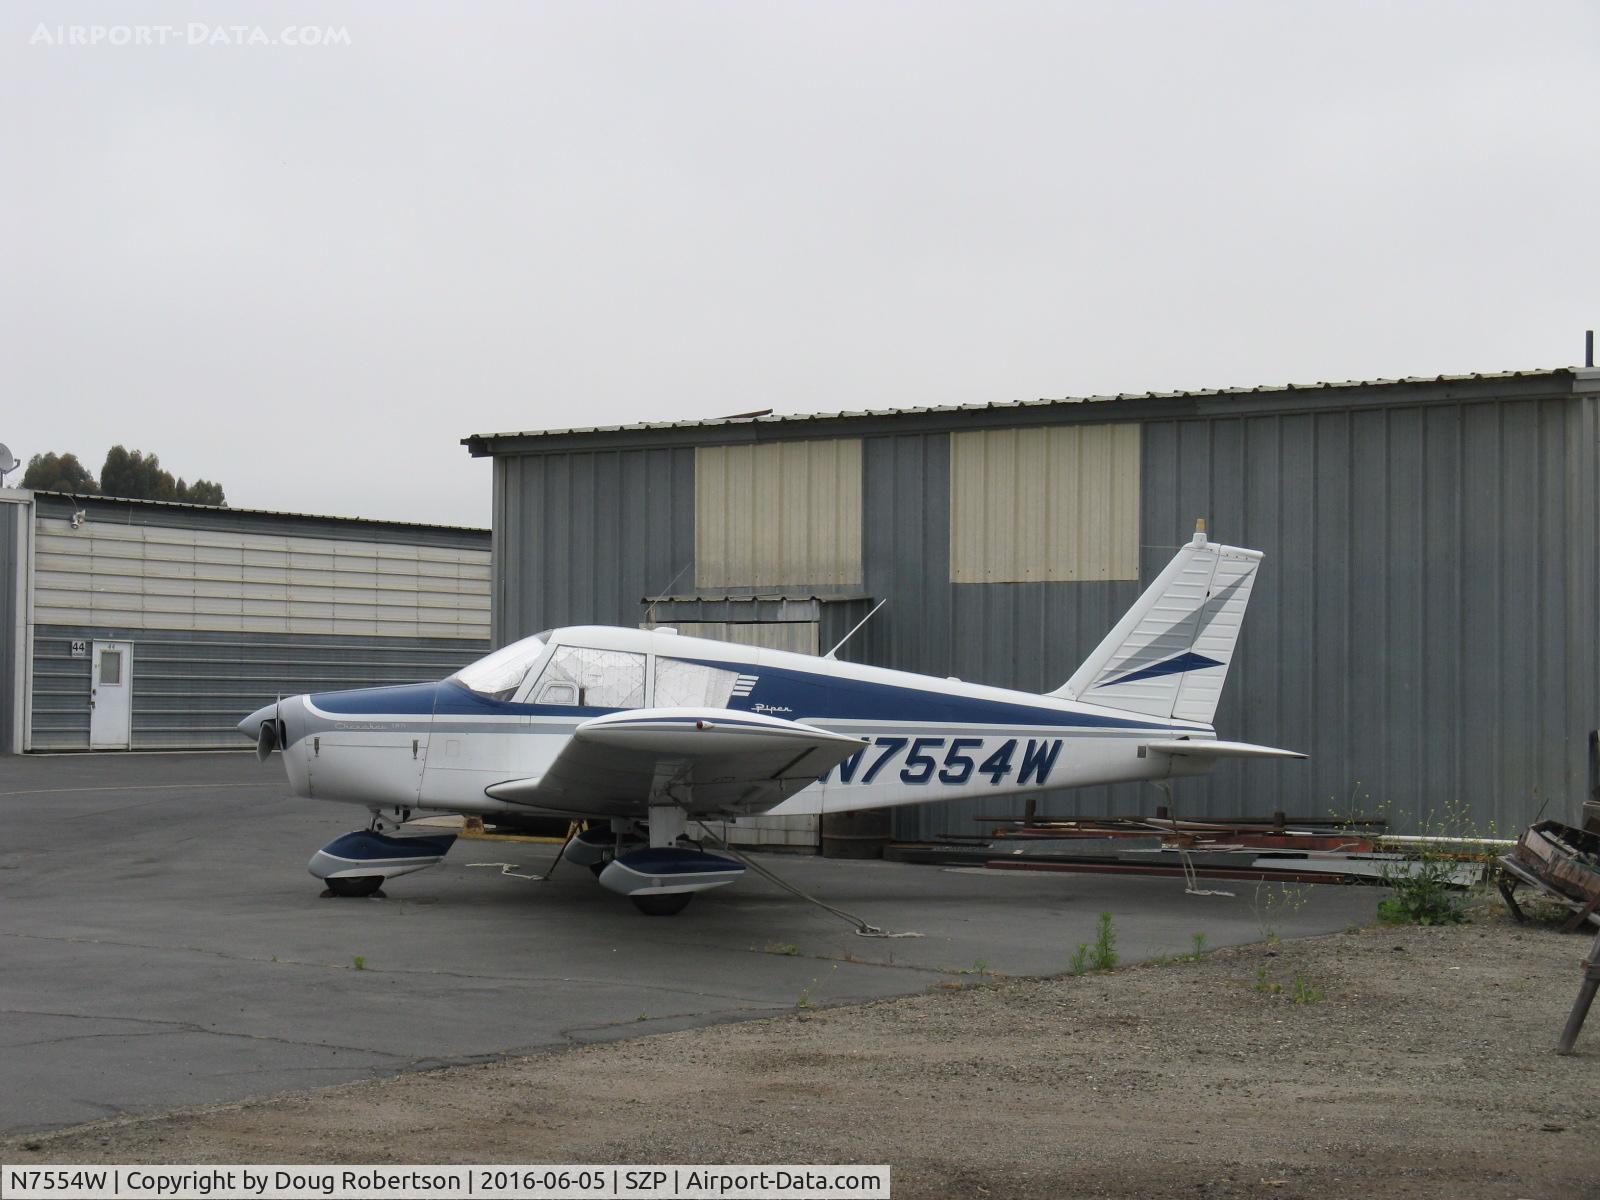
x=577, y=675
x=497, y=676
x=681, y=684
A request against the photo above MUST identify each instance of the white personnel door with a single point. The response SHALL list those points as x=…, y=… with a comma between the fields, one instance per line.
x=110, y=697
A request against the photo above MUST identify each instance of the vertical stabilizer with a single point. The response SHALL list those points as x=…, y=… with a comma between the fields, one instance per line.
x=1169, y=655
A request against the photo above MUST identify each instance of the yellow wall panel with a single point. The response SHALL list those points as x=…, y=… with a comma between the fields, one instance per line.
x=1044, y=504
x=778, y=514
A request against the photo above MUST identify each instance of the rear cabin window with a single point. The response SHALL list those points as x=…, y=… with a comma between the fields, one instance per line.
x=587, y=678
x=681, y=684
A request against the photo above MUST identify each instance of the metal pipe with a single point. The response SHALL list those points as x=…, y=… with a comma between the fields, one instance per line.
x=1594, y=760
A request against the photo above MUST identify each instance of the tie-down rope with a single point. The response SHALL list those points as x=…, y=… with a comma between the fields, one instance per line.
x=862, y=927
x=505, y=868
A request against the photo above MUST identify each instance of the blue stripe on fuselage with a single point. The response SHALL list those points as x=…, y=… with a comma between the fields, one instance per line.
x=409, y=699
x=831, y=698
x=796, y=695
x=444, y=698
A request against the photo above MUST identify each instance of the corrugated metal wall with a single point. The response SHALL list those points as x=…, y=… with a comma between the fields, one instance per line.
x=190, y=688
x=1424, y=623
x=797, y=637
x=228, y=609
x=778, y=513
x=171, y=577
x=580, y=539
x=14, y=513
x=1053, y=503
x=1022, y=635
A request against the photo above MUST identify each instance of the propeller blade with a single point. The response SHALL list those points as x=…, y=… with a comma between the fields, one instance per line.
x=266, y=740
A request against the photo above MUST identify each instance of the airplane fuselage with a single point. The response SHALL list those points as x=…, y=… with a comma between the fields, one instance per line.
x=439, y=746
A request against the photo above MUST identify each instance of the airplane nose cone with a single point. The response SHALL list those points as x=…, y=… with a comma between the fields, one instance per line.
x=251, y=725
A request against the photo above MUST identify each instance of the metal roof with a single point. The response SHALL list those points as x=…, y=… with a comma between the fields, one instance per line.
x=187, y=506
x=477, y=442
x=763, y=597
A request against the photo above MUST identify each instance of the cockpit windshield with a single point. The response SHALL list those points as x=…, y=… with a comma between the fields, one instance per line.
x=498, y=675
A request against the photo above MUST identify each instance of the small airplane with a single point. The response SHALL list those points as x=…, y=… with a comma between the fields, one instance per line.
x=643, y=732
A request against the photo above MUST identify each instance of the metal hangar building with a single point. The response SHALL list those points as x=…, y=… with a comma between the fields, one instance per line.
x=146, y=625
x=1424, y=624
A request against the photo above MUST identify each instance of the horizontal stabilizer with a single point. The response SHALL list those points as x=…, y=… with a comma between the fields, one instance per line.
x=1206, y=748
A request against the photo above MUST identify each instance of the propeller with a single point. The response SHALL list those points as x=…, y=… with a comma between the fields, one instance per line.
x=266, y=740
x=267, y=736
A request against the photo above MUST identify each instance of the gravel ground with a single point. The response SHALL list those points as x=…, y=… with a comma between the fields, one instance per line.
x=1417, y=1062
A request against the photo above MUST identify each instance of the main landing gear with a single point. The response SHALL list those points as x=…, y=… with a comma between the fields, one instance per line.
x=660, y=877
x=648, y=863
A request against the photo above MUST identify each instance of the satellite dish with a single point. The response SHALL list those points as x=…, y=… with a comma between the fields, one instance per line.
x=8, y=461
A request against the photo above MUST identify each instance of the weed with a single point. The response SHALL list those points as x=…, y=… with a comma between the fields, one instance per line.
x=1426, y=882
x=1199, y=941
x=785, y=948
x=1425, y=893
x=1273, y=905
x=1099, y=955
x=1304, y=992
x=1103, y=954
x=1426, y=877
x=361, y=962
x=1301, y=991
x=804, y=1000
x=978, y=967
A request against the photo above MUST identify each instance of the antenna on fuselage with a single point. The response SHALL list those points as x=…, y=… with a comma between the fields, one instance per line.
x=858, y=625
x=650, y=613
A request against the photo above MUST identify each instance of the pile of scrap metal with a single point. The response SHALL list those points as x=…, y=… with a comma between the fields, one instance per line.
x=1561, y=864
x=1278, y=849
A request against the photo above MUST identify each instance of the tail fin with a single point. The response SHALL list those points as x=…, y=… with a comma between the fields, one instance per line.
x=1169, y=655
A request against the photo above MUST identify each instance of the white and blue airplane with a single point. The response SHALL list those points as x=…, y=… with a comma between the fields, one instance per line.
x=645, y=732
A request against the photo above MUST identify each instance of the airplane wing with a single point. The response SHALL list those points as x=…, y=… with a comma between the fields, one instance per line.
x=717, y=759
x=1209, y=748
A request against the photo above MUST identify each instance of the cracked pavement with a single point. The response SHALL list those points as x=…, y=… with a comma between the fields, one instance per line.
x=163, y=945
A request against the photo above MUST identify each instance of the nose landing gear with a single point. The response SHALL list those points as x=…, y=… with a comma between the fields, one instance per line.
x=358, y=863
x=354, y=885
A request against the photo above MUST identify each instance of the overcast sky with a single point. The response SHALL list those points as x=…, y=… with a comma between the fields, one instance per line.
x=308, y=271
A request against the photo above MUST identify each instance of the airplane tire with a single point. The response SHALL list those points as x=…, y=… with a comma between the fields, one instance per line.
x=355, y=885
x=599, y=866
x=662, y=906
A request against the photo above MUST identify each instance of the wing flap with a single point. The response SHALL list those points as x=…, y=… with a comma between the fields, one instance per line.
x=719, y=758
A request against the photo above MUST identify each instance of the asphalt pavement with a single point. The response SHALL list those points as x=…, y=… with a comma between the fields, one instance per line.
x=163, y=945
